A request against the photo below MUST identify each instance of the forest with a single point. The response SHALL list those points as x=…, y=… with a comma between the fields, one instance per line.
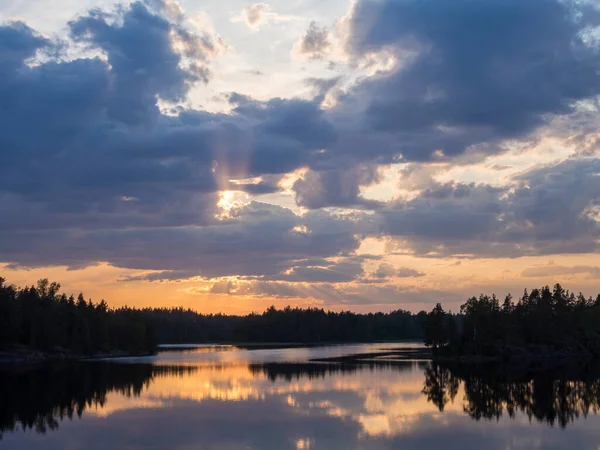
x=288, y=325
x=42, y=318
x=542, y=324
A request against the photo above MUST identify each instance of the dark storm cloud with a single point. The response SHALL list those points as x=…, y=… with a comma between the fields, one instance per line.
x=469, y=72
x=549, y=210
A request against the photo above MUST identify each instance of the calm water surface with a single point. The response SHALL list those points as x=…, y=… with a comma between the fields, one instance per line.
x=229, y=399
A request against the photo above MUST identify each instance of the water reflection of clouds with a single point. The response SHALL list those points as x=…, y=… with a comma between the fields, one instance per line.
x=385, y=402
x=241, y=355
x=216, y=406
x=117, y=402
x=272, y=424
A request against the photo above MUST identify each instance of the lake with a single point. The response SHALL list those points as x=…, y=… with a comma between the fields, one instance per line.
x=228, y=398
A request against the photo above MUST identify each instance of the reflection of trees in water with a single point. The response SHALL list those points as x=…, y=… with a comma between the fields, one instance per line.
x=41, y=398
x=296, y=371
x=551, y=396
x=440, y=386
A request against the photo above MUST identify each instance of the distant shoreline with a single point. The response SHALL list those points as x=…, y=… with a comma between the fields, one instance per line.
x=32, y=356
x=425, y=354
x=259, y=345
x=24, y=355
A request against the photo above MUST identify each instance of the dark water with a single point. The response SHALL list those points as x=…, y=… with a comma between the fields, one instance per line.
x=229, y=399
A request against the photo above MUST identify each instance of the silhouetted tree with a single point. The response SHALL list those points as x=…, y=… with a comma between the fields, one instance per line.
x=542, y=323
x=439, y=328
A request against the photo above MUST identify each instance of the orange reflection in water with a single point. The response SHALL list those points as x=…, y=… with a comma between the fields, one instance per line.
x=385, y=400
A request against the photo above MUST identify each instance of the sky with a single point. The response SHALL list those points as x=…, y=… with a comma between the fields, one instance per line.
x=368, y=155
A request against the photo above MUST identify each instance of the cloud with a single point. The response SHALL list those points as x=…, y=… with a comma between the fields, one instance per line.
x=117, y=180
x=545, y=211
x=385, y=271
x=139, y=45
x=323, y=86
x=18, y=43
x=101, y=140
x=256, y=15
x=349, y=295
x=326, y=271
x=258, y=240
x=165, y=275
x=316, y=43
x=321, y=291
x=407, y=272
x=336, y=187
x=552, y=270
x=306, y=270
x=466, y=73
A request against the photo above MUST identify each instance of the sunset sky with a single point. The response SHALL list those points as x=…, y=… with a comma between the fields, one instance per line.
x=368, y=155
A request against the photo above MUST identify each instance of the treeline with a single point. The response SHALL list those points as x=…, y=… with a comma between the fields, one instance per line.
x=40, y=318
x=543, y=323
x=289, y=325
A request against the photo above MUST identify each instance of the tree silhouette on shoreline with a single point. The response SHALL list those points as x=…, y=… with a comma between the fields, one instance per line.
x=543, y=323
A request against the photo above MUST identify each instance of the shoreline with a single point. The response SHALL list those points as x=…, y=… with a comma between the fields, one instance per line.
x=28, y=356
x=25, y=356
x=426, y=355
